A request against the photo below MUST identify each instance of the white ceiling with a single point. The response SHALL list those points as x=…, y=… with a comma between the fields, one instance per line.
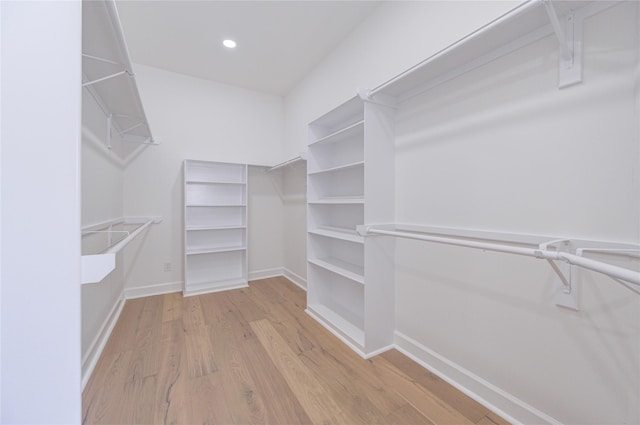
x=279, y=42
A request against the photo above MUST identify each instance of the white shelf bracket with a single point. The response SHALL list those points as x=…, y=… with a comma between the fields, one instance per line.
x=568, y=30
x=566, y=284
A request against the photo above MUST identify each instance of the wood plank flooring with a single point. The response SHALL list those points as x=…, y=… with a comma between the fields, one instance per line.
x=252, y=356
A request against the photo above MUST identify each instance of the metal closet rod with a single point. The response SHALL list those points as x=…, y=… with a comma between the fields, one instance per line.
x=300, y=157
x=597, y=266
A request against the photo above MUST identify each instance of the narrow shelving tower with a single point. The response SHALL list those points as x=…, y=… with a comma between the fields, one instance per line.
x=351, y=182
x=215, y=224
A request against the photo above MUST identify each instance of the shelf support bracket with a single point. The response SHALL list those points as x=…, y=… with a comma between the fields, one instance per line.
x=568, y=30
x=566, y=283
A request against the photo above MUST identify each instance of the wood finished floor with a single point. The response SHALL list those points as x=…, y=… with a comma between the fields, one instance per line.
x=252, y=356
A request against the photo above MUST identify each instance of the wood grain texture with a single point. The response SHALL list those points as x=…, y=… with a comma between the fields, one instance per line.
x=316, y=400
x=252, y=356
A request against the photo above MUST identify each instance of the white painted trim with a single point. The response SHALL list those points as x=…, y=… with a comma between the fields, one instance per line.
x=297, y=280
x=265, y=274
x=379, y=351
x=150, y=290
x=91, y=357
x=494, y=398
x=335, y=331
x=210, y=290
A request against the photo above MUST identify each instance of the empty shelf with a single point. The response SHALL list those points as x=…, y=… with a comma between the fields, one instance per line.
x=338, y=233
x=338, y=168
x=98, y=259
x=335, y=265
x=354, y=130
x=337, y=324
x=194, y=228
x=340, y=200
x=198, y=251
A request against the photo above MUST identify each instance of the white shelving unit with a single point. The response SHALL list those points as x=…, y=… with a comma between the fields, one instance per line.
x=215, y=226
x=343, y=169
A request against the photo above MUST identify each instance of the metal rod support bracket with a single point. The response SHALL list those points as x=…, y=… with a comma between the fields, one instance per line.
x=568, y=30
x=566, y=284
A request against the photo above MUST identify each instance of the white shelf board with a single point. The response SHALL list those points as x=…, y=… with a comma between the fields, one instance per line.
x=338, y=168
x=349, y=132
x=204, y=182
x=339, y=200
x=198, y=228
x=344, y=269
x=349, y=112
x=199, y=251
x=214, y=205
x=339, y=326
x=103, y=38
x=338, y=233
x=525, y=23
x=95, y=267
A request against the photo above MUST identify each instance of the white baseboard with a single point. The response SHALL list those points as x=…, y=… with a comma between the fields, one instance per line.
x=499, y=401
x=91, y=357
x=297, y=280
x=150, y=290
x=208, y=289
x=265, y=274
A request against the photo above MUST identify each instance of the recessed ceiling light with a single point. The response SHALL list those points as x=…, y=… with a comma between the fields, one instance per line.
x=229, y=44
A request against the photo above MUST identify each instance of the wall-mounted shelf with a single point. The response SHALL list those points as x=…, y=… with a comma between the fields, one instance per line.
x=334, y=200
x=525, y=24
x=338, y=168
x=337, y=233
x=108, y=74
x=101, y=242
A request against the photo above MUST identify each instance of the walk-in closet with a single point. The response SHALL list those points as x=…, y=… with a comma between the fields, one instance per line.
x=320, y=212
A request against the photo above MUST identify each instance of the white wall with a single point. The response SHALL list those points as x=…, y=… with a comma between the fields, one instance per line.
x=503, y=149
x=102, y=195
x=41, y=102
x=194, y=119
x=395, y=37
x=295, y=223
x=265, y=230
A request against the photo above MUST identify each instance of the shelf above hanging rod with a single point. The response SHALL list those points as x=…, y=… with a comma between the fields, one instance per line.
x=96, y=266
x=541, y=251
x=292, y=161
x=528, y=22
x=108, y=73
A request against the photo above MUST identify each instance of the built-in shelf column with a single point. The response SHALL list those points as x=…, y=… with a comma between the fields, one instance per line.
x=342, y=172
x=215, y=224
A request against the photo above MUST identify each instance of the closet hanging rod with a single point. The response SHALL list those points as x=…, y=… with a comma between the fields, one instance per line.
x=117, y=247
x=95, y=267
x=597, y=266
x=291, y=161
